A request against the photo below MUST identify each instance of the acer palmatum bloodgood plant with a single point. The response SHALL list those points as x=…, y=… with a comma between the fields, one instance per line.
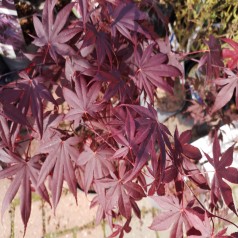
x=74, y=115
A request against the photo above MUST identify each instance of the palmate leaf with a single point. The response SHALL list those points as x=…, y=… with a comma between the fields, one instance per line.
x=101, y=42
x=178, y=214
x=150, y=133
x=101, y=202
x=101, y=124
x=49, y=32
x=50, y=123
x=25, y=174
x=124, y=19
x=83, y=101
x=120, y=193
x=97, y=164
x=197, y=111
x=221, y=163
x=9, y=97
x=126, y=137
x=151, y=70
x=205, y=228
x=185, y=157
x=33, y=93
x=14, y=114
x=228, y=84
x=59, y=163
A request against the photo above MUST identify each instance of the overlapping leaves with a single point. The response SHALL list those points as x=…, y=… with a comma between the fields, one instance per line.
x=223, y=170
x=33, y=93
x=212, y=59
x=151, y=132
x=100, y=78
x=121, y=194
x=185, y=157
x=124, y=19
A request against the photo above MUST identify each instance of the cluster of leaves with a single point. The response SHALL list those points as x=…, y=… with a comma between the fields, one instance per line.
x=74, y=116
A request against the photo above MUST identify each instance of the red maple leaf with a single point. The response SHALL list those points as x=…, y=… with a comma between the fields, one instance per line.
x=97, y=164
x=124, y=19
x=151, y=70
x=82, y=7
x=120, y=193
x=100, y=201
x=150, y=133
x=33, y=93
x=221, y=163
x=59, y=163
x=197, y=111
x=83, y=101
x=24, y=174
x=205, y=227
x=49, y=32
x=184, y=157
x=225, y=94
x=127, y=137
x=8, y=99
x=176, y=213
x=101, y=42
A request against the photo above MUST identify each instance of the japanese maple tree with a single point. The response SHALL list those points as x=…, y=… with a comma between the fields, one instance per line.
x=80, y=102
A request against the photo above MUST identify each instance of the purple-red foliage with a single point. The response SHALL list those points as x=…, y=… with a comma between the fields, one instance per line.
x=79, y=102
